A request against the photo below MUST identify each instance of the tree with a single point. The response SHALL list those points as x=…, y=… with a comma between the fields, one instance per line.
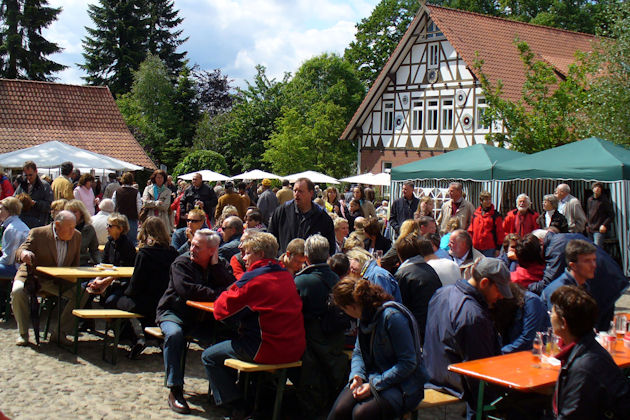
x=378, y=35
x=549, y=111
x=608, y=86
x=239, y=135
x=201, y=159
x=322, y=97
x=116, y=46
x=213, y=91
x=23, y=50
x=125, y=32
x=164, y=38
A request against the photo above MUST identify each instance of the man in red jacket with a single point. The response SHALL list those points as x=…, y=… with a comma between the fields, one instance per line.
x=486, y=227
x=521, y=220
x=267, y=309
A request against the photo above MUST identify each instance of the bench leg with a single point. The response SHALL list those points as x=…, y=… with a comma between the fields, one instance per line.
x=277, y=406
x=78, y=298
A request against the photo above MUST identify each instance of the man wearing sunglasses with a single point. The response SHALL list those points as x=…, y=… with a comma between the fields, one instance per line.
x=195, y=220
x=39, y=191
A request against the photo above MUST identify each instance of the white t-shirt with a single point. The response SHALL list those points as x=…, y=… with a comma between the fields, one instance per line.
x=447, y=270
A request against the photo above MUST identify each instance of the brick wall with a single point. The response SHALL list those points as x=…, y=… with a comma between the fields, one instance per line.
x=371, y=159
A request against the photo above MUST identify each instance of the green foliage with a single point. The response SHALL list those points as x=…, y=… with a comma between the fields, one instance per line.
x=321, y=99
x=239, y=135
x=23, y=49
x=125, y=32
x=608, y=88
x=378, y=35
x=548, y=112
x=199, y=160
x=162, y=112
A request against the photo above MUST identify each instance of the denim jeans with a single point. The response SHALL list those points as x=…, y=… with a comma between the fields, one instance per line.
x=222, y=379
x=133, y=231
x=174, y=348
x=598, y=238
x=7, y=271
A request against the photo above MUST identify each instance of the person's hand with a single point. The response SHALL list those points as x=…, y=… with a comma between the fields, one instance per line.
x=362, y=392
x=97, y=201
x=602, y=229
x=189, y=234
x=199, y=204
x=27, y=257
x=511, y=256
x=356, y=382
x=98, y=285
x=214, y=260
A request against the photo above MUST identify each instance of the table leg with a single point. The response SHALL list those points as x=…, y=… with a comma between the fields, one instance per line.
x=59, y=295
x=479, y=415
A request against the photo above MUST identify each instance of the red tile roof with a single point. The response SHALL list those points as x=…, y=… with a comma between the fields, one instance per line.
x=493, y=38
x=32, y=113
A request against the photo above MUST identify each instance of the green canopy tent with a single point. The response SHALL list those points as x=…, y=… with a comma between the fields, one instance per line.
x=577, y=164
x=589, y=159
x=470, y=163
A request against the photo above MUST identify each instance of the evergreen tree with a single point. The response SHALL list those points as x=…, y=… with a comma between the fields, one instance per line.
x=164, y=38
x=115, y=48
x=23, y=49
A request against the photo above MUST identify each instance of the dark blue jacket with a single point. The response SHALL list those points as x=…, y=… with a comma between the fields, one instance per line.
x=607, y=285
x=591, y=385
x=528, y=320
x=387, y=354
x=459, y=328
x=402, y=210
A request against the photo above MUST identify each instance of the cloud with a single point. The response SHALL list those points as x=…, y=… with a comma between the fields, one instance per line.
x=234, y=35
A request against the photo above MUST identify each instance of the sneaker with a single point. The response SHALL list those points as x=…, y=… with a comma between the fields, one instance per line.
x=136, y=350
x=22, y=340
x=177, y=402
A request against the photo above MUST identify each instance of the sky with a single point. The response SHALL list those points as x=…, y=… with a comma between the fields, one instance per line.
x=233, y=35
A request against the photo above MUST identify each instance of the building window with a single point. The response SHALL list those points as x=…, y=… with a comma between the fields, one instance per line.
x=417, y=115
x=432, y=114
x=433, y=30
x=386, y=166
x=434, y=56
x=447, y=114
x=388, y=116
x=481, y=108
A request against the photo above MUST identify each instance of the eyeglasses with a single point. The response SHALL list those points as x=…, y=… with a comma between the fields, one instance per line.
x=111, y=226
x=193, y=220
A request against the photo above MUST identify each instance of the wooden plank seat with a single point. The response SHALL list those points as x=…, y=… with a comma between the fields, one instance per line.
x=278, y=370
x=434, y=398
x=111, y=316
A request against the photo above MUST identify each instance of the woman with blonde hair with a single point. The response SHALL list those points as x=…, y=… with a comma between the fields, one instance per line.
x=387, y=374
x=56, y=206
x=157, y=198
x=89, y=240
x=390, y=261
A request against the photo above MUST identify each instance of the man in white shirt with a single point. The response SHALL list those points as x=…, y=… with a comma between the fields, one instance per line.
x=99, y=221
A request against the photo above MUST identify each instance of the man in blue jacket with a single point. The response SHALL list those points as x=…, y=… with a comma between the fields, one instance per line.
x=459, y=328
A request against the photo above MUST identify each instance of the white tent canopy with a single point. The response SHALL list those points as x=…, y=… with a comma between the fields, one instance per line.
x=369, y=179
x=256, y=174
x=206, y=175
x=54, y=153
x=315, y=177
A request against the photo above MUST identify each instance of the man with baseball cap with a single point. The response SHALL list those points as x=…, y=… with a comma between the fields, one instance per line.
x=267, y=201
x=459, y=327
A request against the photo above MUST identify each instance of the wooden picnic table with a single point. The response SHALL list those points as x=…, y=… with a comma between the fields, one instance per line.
x=204, y=306
x=521, y=371
x=72, y=275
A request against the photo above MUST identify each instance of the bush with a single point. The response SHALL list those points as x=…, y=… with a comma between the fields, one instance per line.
x=199, y=160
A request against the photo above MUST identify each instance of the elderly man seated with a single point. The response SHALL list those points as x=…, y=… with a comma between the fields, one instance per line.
x=58, y=245
x=200, y=277
x=99, y=221
x=266, y=306
x=232, y=228
x=462, y=251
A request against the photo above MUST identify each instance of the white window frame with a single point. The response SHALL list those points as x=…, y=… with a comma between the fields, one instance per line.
x=433, y=31
x=417, y=115
x=446, y=122
x=481, y=107
x=433, y=56
x=388, y=116
x=433, y=115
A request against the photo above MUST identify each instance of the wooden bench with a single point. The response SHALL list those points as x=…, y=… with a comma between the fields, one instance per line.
x=434, y=398
x=279, y=370
x=108, y=315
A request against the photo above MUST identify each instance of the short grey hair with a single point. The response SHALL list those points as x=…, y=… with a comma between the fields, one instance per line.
x=457, y=185
x=316, y=249
x=553, y=200
x=211, y=237
x=65, y=216
x=564, y=187
x=526, y=197
x=236, y=223
x=107, y=205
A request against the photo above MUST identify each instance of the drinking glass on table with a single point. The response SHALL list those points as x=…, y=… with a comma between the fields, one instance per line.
x=621, y=326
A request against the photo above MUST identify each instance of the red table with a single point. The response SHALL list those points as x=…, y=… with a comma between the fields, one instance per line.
x=520, y=371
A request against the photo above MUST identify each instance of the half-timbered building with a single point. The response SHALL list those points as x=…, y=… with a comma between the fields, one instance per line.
x=428, y=99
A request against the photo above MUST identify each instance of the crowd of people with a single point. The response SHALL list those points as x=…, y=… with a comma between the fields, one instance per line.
x=297, y=273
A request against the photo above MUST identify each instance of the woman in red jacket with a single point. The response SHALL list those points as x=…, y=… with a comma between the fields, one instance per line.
x=486, y=227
